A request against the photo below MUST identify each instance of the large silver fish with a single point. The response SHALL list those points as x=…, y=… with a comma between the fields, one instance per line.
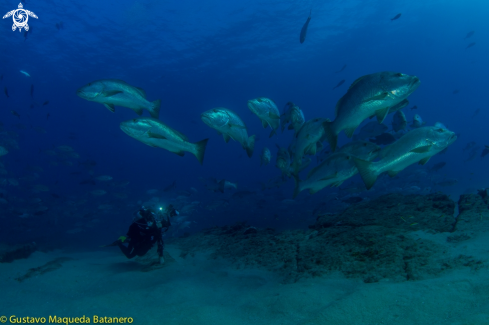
x=114, y=92
x=416, y=146
x=304, y=28
x=337, y=168
x=267, y=112
x=155, y=133
x=333, y=171
x=373, y=94
x=230, y=125
x=294, y=115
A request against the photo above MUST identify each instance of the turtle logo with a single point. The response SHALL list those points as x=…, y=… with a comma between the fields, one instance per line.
x=20, y=17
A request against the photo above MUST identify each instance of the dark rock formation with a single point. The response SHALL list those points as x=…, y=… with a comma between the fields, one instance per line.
x=12, y=254
x=372, y=240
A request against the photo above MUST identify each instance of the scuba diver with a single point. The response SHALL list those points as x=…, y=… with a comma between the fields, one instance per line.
x=146, y=230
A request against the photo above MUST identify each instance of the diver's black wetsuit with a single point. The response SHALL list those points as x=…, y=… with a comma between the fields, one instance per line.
x=142, y=237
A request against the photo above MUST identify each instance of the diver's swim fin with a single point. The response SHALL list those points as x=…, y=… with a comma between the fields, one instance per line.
x=121, y=239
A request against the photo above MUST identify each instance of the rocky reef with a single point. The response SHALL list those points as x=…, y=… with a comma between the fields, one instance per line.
x=376, y=240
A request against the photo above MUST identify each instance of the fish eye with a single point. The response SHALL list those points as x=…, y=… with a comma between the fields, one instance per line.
x=440, y=130
x=134, y=120
x=399, y=74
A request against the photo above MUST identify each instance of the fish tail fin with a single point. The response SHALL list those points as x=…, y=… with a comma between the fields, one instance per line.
x=155, y=109
x=297, y=183
x=199, y=153
x=331, y=135
x=272, y=133
x=368, y=174
x=251, y=146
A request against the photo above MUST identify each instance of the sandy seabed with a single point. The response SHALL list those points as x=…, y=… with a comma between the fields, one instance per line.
x=198, y=290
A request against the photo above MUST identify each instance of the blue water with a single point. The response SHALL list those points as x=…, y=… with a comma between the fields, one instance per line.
x=195, y=56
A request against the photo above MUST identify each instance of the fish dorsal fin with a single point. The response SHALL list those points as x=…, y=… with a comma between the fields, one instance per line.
x=264, y=123
x=349, y=132
x=226, y=137
x=381, y=114
x=311, y=149
x=141, y=91
x=355, y=82
x=110, y=107
x=424, y=161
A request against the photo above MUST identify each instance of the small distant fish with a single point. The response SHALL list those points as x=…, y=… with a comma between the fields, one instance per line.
x=417, y=122
x=339, y=84
x=25, y=73
x=59, y=25
x=469, y=145
x=5, y=90
x=396, y=17
x=472, y=154
x=45, y=103
x=469, y=34
x=304, y=28
x=47, y=116
x=456, y=91
x=414, y=107
x=485, y=151
x=14, y=113
x=476, y=112
x=470, y=45
x=343, y=68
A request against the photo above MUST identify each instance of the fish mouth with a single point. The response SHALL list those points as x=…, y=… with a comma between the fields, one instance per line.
x=415, y=82
x=452, y=138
